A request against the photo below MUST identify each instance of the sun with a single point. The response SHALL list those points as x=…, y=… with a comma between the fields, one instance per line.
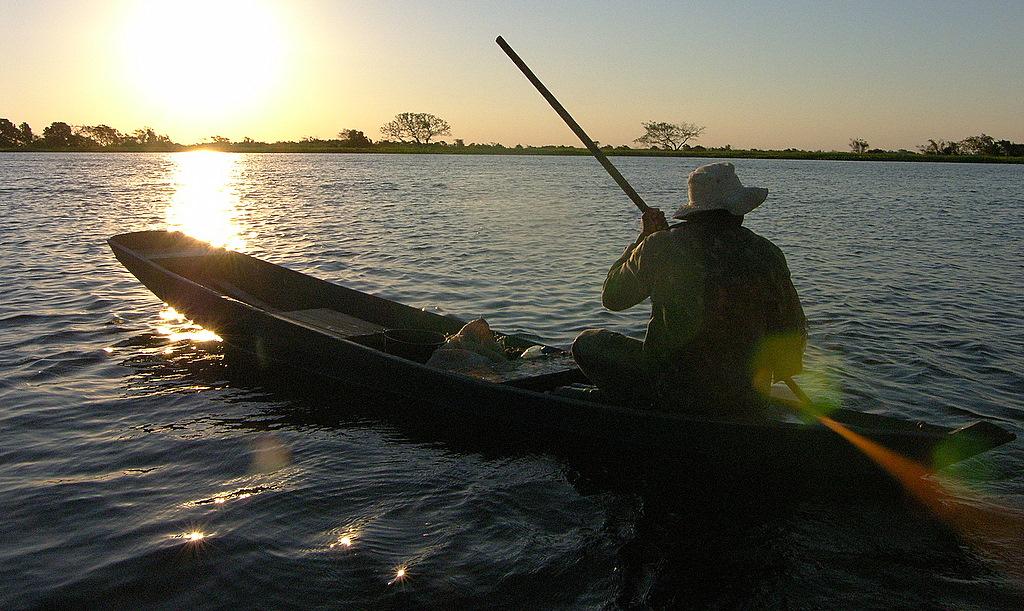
x=200, y=61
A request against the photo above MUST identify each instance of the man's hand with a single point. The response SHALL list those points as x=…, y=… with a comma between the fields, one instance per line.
x=653, y=221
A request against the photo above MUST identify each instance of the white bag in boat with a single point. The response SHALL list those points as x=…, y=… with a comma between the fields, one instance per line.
x=472, y=348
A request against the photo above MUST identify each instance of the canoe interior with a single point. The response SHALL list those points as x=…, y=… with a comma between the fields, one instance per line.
x=225, y=289
x=331, y=309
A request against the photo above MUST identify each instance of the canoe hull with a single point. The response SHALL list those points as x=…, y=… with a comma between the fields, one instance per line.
x=614, y=433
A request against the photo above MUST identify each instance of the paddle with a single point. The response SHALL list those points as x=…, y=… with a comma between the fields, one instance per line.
x=603, y=159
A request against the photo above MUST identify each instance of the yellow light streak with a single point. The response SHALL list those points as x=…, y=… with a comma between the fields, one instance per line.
x=206, y=203
x=978, y=525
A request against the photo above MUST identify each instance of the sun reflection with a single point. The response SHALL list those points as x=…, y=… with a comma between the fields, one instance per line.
x=206, y=203
x=179, y=328
x=194, y=537
x=345, y=540
x=400, y=575
x=170, y=313
x=192, y=332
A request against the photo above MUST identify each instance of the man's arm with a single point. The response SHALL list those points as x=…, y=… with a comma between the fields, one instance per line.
x=626, y=284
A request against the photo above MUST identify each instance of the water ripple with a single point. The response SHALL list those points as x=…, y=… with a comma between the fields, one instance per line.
x=119, y=441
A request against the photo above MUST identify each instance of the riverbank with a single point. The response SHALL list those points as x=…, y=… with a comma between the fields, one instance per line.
x=497, y=149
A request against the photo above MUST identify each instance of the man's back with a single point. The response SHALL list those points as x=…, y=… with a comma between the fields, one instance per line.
x=725, y=315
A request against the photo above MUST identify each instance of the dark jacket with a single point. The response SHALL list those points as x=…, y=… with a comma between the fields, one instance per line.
x=724, y=311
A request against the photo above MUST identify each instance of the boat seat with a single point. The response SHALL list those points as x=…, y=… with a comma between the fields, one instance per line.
x=334, y=322
x=238, y=294
x=181, y=254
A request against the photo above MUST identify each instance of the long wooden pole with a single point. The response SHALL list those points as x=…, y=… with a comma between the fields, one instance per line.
x=573, y=125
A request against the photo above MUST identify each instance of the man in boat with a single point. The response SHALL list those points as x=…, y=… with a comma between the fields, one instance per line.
x=726, y=321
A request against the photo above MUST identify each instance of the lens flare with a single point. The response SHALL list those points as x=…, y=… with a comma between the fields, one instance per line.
x=977, y=525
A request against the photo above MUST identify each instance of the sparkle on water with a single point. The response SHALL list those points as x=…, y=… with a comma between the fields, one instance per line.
x=178, y=328
x=400, y=575
x=206, y=204
x=345, y=540
x=931, y=338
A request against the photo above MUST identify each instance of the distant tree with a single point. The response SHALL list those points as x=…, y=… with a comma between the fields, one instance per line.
x=26, y=133
x=103, y=135
x=354, y=137
x=981, y=144
x=147, y=137
x=858, y=145
x=58, y=134
x=219, y=140
x=420, y=127
x=460, y=142
x=940, y=147
x=10, y=136
x=671, y=136
x=1009, y=149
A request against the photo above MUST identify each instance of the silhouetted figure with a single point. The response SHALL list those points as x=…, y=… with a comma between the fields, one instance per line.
x=726, y=320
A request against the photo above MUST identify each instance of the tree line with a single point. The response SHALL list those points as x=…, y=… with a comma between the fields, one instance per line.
x=61, y=136
x=421, y=132
x=980, y=145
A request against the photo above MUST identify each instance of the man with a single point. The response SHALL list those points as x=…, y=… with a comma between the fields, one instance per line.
x=726, y=320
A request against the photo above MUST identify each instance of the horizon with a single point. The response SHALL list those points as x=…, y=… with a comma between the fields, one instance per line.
x=273, y=71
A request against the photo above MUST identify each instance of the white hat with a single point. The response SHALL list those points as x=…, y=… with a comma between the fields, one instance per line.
x=715, y=186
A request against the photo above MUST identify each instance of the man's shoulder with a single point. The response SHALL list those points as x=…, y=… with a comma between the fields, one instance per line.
x=762, y=243
x=666, y=241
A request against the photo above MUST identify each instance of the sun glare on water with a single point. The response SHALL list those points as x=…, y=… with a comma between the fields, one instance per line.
x=205, y=203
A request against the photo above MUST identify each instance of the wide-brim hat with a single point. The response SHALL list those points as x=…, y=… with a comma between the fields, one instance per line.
x=715, y=186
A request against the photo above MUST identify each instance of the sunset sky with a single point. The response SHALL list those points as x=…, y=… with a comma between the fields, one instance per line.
x=768, y=75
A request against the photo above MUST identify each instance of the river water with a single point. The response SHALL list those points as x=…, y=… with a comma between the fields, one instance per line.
x=143, y=464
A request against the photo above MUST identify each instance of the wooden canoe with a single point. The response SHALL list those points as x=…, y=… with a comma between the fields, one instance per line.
x=284, y=317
